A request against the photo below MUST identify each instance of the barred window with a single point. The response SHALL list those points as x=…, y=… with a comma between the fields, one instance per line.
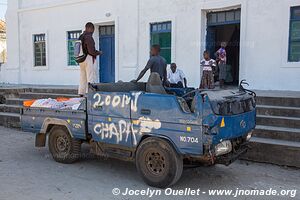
x=73, y=36
x=161, y=34
x=39, y=50
x=294, y=39
x=223, y=17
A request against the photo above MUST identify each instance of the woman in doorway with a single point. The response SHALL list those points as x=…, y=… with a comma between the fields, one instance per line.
x=221, y=60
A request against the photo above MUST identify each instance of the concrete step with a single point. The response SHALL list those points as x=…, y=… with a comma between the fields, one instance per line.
x=10, y=120
x=278, y=110
x=278, y=121
x=11, y=92
x=14, y=101
x=59, y=89
x=2, y=98
x=279, y=133
x=280, y=152
x=10, y=108
x=55, y=90
x=278, y=101
x=31, y=95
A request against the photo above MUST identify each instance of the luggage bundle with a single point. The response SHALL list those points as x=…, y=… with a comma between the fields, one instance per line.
x=58, y=103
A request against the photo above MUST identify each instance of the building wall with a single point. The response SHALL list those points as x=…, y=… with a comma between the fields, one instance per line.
x=266, y=53
x=55, y=19
x=264, y=37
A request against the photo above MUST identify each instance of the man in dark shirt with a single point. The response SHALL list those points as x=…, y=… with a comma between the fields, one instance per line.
x=156, y=64
x=88, y=68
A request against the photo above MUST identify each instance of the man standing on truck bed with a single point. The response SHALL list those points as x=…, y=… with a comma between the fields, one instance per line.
x=156, y=64
x=88, y=68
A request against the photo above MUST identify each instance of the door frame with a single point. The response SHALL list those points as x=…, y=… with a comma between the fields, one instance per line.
x=211, y=28
x=243, y=31
x=103, y=22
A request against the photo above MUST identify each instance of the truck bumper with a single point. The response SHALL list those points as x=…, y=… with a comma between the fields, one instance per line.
x=227, y=159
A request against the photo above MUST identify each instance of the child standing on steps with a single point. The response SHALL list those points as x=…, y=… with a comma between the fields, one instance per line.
x=208, y=65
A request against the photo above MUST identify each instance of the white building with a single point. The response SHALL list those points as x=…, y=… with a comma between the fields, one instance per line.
x=263, y=38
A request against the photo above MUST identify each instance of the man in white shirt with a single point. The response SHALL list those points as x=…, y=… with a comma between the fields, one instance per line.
x=176, y=77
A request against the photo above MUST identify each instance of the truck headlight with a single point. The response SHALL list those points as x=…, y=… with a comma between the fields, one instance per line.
x=249, y=135
x=223, y=148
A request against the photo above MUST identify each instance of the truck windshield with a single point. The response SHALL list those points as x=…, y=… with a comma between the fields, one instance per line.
x=230, y=102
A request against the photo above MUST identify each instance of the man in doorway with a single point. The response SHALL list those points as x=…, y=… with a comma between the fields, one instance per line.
x=176, y=77
x=156, y=64
x=88, y=68
x=221, y=60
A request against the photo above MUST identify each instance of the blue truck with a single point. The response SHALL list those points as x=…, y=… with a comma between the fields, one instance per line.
x=159, y=129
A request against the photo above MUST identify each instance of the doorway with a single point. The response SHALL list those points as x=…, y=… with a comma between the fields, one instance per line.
x=224, y=26
x=107, y=59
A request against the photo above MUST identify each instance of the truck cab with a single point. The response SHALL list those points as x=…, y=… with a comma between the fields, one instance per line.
x=159, y=129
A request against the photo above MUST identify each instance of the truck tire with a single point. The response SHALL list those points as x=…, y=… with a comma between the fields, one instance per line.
x=158, y=163
x=63, y=147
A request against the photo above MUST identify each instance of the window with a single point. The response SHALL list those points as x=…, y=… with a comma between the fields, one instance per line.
x=294, y=39
x=161, y=34
x=39, y=50
x=107, y=30
x=223, y=17
x=73, y=36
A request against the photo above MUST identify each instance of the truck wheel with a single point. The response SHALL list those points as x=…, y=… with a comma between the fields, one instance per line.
x=63, y=147
x=158, y=163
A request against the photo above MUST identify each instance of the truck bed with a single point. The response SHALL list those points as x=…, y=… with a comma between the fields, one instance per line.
x=32, y=119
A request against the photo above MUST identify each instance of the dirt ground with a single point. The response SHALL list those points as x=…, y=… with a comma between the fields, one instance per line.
x=30, y=173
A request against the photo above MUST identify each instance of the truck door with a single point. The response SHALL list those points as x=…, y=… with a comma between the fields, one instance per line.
x=109, y=117
x=164, y=116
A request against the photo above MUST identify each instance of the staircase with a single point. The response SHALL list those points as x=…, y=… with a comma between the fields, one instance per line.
x=276, y=138
x=12, y=98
